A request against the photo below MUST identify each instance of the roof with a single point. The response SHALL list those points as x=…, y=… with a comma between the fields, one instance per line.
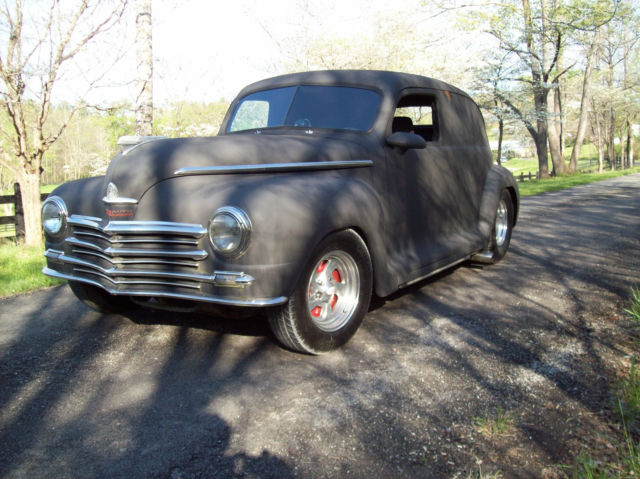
x=389, y=82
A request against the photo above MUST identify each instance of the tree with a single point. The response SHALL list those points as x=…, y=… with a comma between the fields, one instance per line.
x=584, y=104
x=34, y=53
x=490, y=95
x=587, y=20
x=536, y=33
x=144, y=57
x=538, y=53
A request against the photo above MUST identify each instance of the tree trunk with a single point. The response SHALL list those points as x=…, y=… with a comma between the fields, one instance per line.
x=584, y=107
x=630, y=145
x=597, y=131
x=554, y=123
x=30, y=188
x=540, y=93
x=144, y=57
x=541, y=137
x=611, y=143
x=628, y=148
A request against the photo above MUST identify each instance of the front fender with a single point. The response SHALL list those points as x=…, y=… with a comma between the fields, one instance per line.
x=290, y=214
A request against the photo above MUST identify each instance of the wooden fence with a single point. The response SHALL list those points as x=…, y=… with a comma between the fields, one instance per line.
x=531, y=176
x=18, y=212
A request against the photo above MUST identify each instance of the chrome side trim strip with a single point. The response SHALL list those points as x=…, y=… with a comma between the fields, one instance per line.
x=206, y=299
x=272, y=167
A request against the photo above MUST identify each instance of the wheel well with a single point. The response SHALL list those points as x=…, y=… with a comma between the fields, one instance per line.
x=357, y=230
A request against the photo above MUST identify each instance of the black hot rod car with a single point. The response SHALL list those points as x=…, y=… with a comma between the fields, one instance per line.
x=320, y=189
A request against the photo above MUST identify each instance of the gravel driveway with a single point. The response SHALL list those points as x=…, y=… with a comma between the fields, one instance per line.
x=534, y=339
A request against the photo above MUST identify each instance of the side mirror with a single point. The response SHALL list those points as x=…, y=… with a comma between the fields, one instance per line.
x=406, y=141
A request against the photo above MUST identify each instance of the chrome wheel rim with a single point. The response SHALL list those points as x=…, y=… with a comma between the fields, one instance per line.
x=502, y=223
x=333, y=291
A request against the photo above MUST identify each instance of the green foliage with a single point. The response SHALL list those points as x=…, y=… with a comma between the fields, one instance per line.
x=21, y=270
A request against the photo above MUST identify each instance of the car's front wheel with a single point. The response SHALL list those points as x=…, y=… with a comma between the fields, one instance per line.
x=99, y=300
x=331, y=298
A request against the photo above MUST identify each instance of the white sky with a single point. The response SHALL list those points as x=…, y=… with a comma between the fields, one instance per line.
x=207, y=50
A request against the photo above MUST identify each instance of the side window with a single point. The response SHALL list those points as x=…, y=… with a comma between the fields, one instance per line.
x=251, y=114
x=417, y=114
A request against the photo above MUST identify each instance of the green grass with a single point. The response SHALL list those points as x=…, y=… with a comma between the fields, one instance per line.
x=535, y=187
x=20, y=270
x=634, y=310
x=495, y=423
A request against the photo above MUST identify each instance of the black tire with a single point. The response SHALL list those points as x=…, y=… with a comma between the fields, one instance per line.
x=502, y=228
x=99, y=300
x=331, y=324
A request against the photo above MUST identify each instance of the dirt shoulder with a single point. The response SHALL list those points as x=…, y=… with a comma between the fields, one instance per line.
x=536, y=340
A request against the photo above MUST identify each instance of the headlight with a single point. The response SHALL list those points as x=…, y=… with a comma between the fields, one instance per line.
x=229, y=231
x=54, y=216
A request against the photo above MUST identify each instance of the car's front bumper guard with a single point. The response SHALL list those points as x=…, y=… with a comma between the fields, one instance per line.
x=121, y=285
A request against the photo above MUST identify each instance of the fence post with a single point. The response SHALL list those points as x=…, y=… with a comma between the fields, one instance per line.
x=18, y=212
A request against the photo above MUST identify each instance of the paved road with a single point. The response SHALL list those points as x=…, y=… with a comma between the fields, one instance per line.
x=171, y=395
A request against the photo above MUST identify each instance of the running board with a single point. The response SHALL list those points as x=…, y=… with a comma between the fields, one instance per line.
x=434, y=272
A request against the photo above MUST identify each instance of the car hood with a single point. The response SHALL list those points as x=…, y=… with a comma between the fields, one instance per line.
x=135, y=172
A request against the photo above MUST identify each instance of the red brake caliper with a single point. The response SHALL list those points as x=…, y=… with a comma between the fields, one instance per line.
x=318, y=310
x=337, y=278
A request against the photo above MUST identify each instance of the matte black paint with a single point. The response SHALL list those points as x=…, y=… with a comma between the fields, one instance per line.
x=417, y=209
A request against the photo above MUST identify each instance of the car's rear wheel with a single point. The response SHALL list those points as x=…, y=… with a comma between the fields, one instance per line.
x=99, y=300
x=502, y=227
x=331, y=298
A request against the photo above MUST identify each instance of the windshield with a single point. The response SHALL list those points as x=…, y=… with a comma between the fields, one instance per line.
x=337, y=108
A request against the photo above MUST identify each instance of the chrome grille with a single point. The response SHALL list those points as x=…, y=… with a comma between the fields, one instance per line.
x=128, y=255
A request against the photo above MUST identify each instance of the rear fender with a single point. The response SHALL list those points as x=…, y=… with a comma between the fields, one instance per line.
x=498, y=179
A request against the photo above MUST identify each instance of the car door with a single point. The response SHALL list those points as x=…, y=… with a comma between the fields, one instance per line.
x=428, y=216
